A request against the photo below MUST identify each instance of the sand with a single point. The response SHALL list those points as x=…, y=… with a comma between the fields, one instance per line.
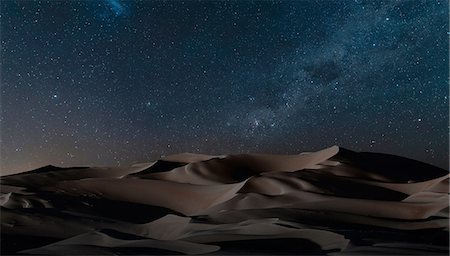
x=334, y=201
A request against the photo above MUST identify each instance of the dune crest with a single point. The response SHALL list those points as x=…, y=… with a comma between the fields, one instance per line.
x=333, y=201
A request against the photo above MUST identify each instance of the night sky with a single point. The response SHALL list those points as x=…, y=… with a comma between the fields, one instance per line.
x=119, y=82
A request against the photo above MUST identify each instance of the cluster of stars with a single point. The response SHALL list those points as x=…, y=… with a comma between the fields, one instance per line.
x=112, y=82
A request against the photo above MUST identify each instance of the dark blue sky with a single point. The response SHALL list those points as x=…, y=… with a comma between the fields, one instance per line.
x=118, y=82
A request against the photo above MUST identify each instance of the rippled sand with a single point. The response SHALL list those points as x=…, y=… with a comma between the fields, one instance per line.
x=334, y=201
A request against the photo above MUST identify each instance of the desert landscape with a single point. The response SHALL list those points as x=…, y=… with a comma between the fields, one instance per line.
x=313, y=127
x=334, y=201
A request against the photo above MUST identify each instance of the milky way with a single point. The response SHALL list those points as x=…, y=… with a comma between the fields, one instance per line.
x=117, y=82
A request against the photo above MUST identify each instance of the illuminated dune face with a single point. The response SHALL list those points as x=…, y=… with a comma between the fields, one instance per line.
x=330, y=201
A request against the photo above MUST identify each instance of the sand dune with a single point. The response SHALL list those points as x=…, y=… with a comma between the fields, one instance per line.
x=334, y=201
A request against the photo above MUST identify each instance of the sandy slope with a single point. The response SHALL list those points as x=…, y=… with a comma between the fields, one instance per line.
x=333, y=201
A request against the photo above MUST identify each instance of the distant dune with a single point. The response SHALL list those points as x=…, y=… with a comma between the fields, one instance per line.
x=334, y=201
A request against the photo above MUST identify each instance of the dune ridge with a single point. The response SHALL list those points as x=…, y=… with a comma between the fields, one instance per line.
x=334, y=201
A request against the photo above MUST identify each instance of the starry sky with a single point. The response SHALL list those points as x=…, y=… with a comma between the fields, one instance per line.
x=117, y=82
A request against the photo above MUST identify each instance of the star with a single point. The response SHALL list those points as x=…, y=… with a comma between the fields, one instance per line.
x=125, y=79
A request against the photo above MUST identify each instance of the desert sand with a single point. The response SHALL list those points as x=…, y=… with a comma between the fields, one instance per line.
x=334, y=201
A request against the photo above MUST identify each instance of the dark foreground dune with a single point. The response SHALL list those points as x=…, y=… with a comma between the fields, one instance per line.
x=334, y=201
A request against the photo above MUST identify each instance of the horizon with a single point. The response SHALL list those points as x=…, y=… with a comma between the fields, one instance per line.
x=111, y=82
